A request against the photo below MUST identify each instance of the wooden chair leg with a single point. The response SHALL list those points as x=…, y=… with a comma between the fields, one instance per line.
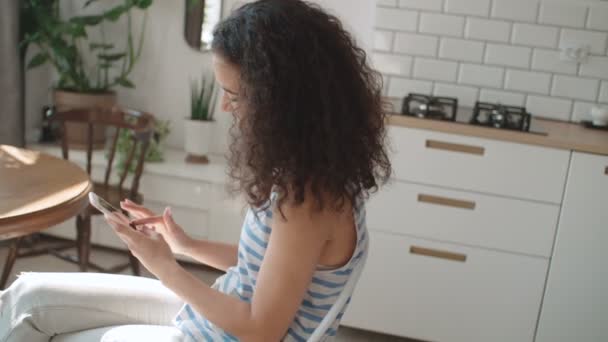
x=10, y=261
x=83, y=225
x=134, y=264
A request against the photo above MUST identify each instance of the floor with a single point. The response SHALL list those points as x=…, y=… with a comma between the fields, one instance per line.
x=48, y=263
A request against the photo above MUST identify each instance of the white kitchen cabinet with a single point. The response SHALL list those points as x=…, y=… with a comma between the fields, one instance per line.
x=575, y=307
x=466, y=218
x=481, y=165
x=460, y=295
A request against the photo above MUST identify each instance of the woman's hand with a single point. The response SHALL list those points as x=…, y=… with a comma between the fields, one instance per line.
x=148, y=247
x=175, y=236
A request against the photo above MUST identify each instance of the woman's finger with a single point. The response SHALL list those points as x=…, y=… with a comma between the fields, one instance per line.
x=148, y=220
x=125, y=232
x=168, y=218
x=147, y=230
x=134, y=214
x=132, y=207
x=119, y=218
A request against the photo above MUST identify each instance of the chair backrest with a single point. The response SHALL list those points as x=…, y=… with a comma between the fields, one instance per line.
x=335, y=310
x=140, y=127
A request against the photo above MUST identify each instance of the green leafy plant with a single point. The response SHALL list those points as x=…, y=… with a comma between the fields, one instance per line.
x=202, y=99
x=65, y=42
x=155, y=152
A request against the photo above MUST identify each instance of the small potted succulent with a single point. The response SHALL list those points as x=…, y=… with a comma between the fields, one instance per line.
x=199, y=126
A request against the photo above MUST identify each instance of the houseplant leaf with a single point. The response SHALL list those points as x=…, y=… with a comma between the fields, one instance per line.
x=142, y=4
x=87, y=20
x=37, y=60
x=115, y=13
x=111, y=57
x=103, y=46
x=125, y=83
x=86, y=4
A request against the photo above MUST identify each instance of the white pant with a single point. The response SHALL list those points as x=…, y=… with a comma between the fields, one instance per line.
x=38, y=306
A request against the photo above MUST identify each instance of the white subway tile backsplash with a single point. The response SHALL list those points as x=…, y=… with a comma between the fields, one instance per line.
x=535, y=35
x=549, y=107
x=487, y=29
x=595, y=67
x=563, y=14
x=505, y=51
x=517, y=10
x=385, y=84
x=430, y=5
x=595, y=40
x=392, y=64
x=598, y=17
x=549, y=60
x=433, y=69
x=604, y=92
x=400, y=87
x=416, y=44
x=504, y=97
x=396, y=19
x=582, y=111
x=442, y=24
x=480, y=75
x=466, y=95
x=469, y=7
x=383, y=40
x=527, y=81
x=388, y=3
x=508, y=55
x=575, y=87
x=460, y=49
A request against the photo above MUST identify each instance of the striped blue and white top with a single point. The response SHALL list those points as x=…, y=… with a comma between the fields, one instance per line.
x=240, y=281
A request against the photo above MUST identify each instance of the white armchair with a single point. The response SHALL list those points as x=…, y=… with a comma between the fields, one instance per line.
x=134, y=333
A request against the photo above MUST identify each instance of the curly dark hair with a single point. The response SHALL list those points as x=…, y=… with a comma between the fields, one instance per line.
x=315, y=117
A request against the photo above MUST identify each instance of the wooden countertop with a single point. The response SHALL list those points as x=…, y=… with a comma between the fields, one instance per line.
x=562, y=135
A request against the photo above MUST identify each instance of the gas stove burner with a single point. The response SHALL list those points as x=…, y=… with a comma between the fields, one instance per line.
x=431, y=107
x=501, y=116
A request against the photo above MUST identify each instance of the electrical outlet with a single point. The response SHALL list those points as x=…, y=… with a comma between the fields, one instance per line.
x=578, y=53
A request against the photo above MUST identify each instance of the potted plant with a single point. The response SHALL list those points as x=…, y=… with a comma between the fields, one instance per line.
x=88, y=69
x=199, y=126
x=154, y=153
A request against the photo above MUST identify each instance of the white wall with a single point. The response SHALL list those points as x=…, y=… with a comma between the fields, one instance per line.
x=495, y=50
x=167, y=64
x=357, y=16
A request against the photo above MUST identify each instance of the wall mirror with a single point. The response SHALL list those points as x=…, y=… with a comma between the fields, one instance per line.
x=201, y=17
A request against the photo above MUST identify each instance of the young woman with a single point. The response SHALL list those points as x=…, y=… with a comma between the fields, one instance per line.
x=308, y=147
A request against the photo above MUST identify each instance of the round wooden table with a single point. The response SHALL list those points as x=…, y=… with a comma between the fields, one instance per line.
x=37, y=191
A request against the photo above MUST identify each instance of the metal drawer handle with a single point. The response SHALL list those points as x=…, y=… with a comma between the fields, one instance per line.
x=606, y=171
x=440, y=145
x=449, y=202
x=438, y=254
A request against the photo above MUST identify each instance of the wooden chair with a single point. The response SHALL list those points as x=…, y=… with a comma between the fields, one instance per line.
x=140, y=126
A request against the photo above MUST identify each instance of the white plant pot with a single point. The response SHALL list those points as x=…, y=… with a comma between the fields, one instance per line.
x=197, y=139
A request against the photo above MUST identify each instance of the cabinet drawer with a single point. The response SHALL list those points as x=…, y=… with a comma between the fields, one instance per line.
x=424, y=290
x=465, y=218
x=483, y=165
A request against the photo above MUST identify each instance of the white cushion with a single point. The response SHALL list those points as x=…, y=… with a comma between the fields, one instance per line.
x=124, y=333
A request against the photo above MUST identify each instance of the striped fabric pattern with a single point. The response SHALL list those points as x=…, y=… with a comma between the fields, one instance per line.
x=240, y=281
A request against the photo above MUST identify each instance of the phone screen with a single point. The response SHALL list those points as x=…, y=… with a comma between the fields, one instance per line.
x=105, y=207
x=101, y=204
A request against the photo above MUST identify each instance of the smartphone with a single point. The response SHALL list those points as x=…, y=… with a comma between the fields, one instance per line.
x=101, y=204
x=105, y=207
